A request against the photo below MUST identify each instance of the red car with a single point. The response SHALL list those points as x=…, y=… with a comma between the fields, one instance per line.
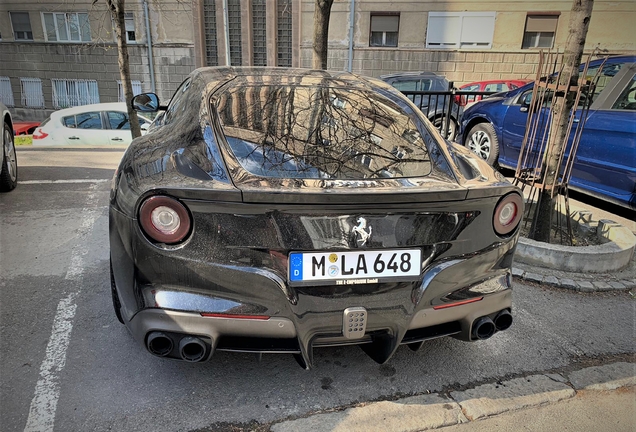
x=487, y=86
x=25, y=127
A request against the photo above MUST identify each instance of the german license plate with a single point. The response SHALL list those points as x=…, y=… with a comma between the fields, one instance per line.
x=355, y=267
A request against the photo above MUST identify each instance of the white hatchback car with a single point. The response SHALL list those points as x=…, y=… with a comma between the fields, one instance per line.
x=98, y=124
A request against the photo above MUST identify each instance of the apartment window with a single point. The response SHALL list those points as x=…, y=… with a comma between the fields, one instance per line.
x=32, y=95
x=21, y=26
x=540, y=31
x=234, y=30
x=284, y=39
x=68, y=93
x=384, y=30
x=129, y=22
x=136, y=88
x=460, y=30
x=259, y=33
x=67, y=27
x=209, y=23
x=6, y=92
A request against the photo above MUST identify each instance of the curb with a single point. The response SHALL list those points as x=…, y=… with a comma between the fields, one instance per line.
x=433, y=411
x=603, y=282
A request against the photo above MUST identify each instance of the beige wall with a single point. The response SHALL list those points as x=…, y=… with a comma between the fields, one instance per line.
x=612, y=26
x=612, y=29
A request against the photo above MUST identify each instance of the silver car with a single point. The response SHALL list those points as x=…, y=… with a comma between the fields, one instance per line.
x=9, y=166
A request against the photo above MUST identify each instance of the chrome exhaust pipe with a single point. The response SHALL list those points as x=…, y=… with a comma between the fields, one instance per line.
x=159, y=344
x=483, y=328
x=503, y=320
x=192, y=349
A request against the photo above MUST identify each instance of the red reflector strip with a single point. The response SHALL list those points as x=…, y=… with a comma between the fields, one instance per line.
x=463, y=302
x=218, y=315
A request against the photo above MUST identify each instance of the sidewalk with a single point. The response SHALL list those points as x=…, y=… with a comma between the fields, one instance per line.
x=596, y=398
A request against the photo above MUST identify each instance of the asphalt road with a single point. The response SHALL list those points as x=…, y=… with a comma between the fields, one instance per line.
x=68, y=365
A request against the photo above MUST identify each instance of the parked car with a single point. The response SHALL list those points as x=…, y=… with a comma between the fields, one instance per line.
x=278, y=210
x=25, y=127
x=9, y=166
x=434, y=105
x=605, y=162
x=495, y=86
x=96, y=124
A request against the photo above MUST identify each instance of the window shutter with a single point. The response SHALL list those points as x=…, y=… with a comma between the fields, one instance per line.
x=539, y=24
x=387, y=24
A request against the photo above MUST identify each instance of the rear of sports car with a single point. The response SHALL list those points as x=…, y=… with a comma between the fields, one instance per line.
x=317, y=211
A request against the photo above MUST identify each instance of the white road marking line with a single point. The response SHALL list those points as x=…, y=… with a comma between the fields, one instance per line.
x=31, y=182
x=47, y=389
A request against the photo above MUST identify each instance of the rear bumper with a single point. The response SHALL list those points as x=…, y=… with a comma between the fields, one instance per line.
x=281, y=335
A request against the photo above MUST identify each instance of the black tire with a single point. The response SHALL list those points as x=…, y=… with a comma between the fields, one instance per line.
x=452, y=127
x=482, y=140
x=9, y=175
x=113, y=290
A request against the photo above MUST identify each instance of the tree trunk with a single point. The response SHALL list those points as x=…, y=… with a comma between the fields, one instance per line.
x=116, y=8
x=321, y=33
x=557, y=142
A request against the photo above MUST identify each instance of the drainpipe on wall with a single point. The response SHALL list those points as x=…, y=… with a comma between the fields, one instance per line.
x=352, y=11
x=149, y=42
x=226, y=27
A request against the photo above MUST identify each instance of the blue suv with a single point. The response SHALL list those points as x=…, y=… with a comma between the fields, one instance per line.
x=605, y=163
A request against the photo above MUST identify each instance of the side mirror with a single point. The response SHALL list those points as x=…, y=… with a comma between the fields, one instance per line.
x=146, y=102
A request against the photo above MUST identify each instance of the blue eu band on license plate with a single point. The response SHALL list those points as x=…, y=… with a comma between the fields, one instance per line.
x=370, y=265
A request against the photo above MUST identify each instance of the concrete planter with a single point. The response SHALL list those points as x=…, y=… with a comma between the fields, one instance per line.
x=613, y=255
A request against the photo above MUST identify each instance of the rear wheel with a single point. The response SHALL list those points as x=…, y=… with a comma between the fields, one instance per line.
x=451, y=132
x=9, y=175
x=482, y=140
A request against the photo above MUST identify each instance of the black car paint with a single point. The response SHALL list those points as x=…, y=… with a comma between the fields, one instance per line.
x=235, y=259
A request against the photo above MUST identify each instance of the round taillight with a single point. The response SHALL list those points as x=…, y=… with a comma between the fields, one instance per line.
x=508, y=214
x=164, y=219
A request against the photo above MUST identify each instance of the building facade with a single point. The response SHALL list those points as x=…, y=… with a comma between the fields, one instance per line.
x=59, y=54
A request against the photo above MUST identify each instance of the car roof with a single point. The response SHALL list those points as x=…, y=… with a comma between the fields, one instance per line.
x=486, y=82
x=107, y=106
x=411, y=75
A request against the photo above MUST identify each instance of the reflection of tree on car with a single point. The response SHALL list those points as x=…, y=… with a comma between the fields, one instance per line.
x=252, y=173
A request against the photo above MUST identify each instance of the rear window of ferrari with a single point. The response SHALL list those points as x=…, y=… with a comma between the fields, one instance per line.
x=321, y=132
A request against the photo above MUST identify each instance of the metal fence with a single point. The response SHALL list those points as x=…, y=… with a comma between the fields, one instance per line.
x=445, y=107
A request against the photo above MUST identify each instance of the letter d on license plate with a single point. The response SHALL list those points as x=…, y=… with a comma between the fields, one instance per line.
x=374, y=266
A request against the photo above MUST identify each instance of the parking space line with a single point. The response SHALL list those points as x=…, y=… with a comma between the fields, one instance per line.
x=47, y=389
x=31, y=182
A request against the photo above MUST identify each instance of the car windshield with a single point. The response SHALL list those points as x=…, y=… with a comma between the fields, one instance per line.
x=321, y=132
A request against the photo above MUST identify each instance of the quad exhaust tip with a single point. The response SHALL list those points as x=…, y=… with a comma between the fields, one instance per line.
x=159, y=344
x=503, y=320
x=192, y=349
x=483, y=328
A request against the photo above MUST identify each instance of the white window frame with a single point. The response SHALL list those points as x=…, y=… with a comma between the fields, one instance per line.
x=31, y=92
x=553, y=25
x=460, y=30
x=383, y=30
x=6, y=91
x=129, y=26
x=136, y=88
x=74, y=92
x=83, y=31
